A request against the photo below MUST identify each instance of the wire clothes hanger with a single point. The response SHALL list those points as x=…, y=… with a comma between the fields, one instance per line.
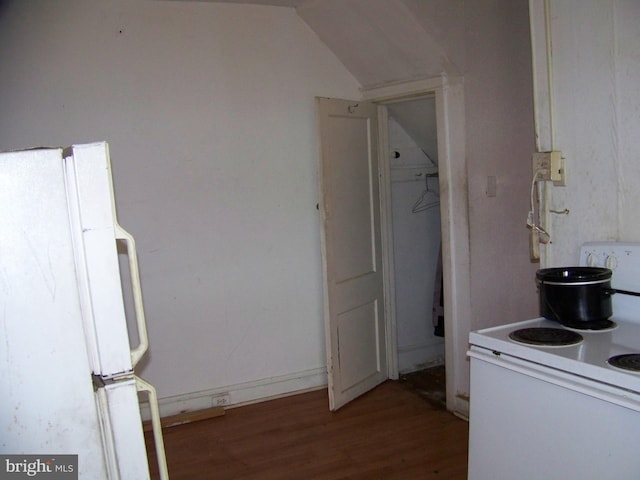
x=426, y=201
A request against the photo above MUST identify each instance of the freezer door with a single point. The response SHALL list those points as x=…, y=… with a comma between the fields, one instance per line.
x=47, y=401
x=92, y=212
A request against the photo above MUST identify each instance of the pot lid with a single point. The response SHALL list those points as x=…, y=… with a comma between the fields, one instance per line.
x=573, y=274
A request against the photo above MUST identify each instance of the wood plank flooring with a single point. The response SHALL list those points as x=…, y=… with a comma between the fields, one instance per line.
x=389, y=433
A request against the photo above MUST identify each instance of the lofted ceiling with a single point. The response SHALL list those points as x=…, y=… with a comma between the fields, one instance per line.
x=387, y=41
x=384, y=41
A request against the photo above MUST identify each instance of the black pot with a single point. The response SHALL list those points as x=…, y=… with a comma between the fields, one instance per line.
x=573, y=295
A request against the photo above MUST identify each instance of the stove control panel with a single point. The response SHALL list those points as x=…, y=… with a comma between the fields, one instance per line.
x=621, y=257
x=595, y=260
x=624, y=260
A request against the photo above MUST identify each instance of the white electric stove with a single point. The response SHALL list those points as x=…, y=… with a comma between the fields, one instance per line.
x=560, y=412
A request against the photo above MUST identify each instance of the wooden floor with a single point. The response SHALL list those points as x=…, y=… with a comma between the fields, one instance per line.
x=389, y=433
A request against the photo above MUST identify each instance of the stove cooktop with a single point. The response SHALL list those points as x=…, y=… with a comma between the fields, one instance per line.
x=588, y=358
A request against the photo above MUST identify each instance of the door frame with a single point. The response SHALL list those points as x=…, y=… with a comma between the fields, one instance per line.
x=454, y=211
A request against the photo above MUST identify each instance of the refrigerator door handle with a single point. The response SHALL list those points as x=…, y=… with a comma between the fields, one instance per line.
x=143, y=343
x=144, y=386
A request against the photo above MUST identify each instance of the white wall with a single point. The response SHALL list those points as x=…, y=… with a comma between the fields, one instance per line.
x=229, y=245
x=596, y=120
x=209, y=112
x=500, y=140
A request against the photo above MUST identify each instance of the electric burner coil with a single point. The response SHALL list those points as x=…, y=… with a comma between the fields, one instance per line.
x=628, y=361
x=546, y=337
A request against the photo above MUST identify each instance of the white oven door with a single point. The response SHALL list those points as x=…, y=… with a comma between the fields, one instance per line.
x=529, y=422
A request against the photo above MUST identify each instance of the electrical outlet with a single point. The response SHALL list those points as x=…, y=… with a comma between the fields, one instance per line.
x=220, y=400
x=558, y=174
x=549, y=166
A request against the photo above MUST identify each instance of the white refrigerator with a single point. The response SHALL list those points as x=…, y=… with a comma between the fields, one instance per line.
x=67, y=382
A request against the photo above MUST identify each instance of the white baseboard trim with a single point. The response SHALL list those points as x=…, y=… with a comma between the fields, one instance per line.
x=240, y=394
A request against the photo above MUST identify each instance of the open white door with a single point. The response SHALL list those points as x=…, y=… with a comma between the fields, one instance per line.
x=351, y=249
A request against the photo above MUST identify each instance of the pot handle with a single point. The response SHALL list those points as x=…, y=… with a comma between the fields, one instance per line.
x=611, y=291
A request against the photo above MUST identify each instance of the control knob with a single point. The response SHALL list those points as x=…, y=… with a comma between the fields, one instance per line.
x=611, y=262
x=592, y=260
